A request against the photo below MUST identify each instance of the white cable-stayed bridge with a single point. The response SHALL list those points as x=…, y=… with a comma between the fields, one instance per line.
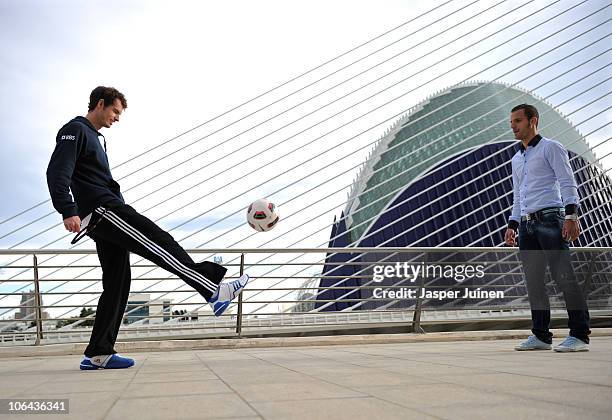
x=314, y=144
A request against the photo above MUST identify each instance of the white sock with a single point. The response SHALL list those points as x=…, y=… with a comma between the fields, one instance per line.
x=100, y=360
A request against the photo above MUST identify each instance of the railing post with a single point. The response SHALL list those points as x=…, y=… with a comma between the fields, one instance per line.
x=239, y=316
x=416, y=318
x=38, y=303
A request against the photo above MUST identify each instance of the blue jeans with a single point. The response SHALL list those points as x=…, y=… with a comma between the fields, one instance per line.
x=541, y=244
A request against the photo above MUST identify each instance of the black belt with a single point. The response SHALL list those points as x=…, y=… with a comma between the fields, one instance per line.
x=538, y=214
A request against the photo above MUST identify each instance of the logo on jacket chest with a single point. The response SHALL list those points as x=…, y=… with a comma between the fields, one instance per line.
x=68, y=137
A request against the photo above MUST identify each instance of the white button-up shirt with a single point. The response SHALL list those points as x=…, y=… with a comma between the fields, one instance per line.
x=542, y=177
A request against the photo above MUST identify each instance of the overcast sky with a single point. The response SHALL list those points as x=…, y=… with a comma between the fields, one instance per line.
x=181, y=63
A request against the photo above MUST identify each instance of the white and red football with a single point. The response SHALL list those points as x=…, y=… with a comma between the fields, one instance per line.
x=262, y=215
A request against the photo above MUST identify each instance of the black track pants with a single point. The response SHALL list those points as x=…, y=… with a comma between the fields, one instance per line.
x=119, y=230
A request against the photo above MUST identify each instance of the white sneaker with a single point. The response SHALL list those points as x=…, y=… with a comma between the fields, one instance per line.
x=571, y=344
x=227, y=292
x=533, y=343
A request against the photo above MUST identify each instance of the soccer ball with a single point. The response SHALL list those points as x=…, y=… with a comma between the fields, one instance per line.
x=262, y=215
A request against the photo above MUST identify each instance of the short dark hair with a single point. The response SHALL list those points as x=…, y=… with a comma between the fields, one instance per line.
x=530, y=111
x=108, y=94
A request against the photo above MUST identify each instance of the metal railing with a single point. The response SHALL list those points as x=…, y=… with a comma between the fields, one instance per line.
x=290, y=292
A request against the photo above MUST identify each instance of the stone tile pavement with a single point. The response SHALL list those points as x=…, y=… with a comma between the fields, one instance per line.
x=422, y=380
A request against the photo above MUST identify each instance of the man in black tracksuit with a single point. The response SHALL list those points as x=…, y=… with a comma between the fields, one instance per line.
x=79, y=163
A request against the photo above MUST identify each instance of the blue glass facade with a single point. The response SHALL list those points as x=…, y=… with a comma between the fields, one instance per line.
x=463, y=200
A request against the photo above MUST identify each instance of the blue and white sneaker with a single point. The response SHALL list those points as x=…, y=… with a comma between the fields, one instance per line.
x=227, y=292
x=533, y=343
x=106, y=361
x=571, y=344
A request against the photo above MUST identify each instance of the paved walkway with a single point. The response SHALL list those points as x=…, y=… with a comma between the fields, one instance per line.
x=470, y=380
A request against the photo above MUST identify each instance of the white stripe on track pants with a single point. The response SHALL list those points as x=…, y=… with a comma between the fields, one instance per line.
x=123, y=230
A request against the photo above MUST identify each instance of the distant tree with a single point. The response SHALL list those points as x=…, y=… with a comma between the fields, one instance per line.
x=84, y=313
x=180, y=312
x=62, y=322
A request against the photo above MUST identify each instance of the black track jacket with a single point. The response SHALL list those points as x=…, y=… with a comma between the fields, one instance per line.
x=79, y=163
